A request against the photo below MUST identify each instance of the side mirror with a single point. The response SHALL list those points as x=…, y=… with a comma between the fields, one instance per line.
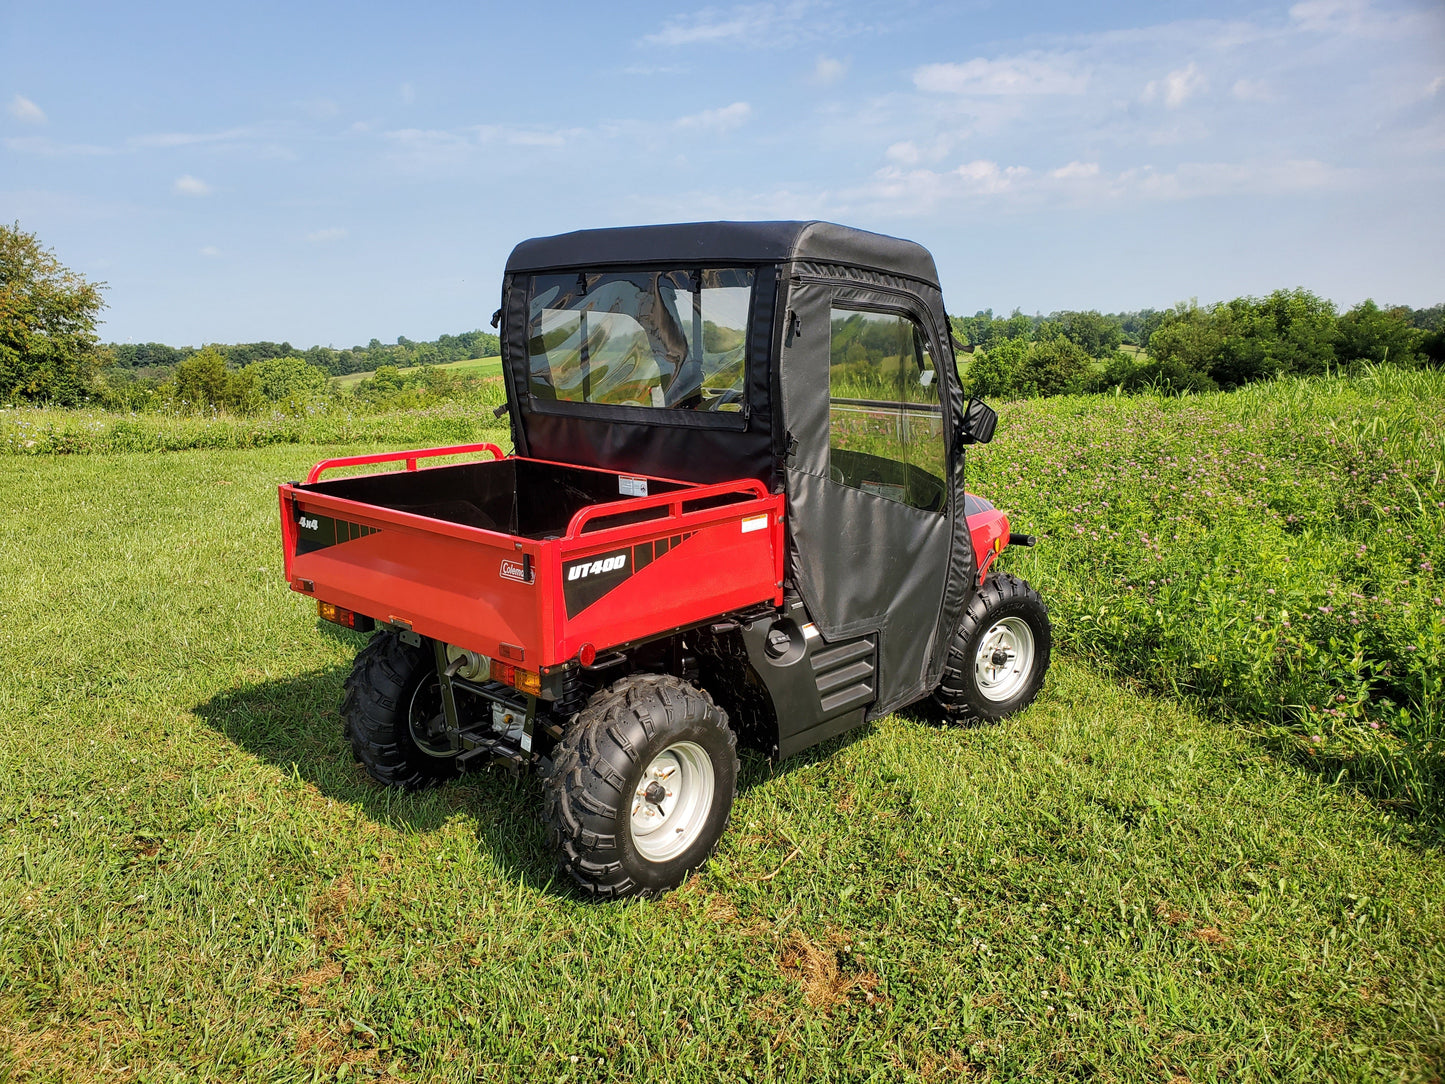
x=979, y=421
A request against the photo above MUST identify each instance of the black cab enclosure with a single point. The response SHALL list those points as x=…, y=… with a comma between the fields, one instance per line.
x=813, y=357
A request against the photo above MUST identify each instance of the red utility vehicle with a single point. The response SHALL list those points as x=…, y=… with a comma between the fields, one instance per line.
x=736, y=512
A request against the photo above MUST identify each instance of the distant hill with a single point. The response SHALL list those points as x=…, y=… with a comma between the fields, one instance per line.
x=155, y=358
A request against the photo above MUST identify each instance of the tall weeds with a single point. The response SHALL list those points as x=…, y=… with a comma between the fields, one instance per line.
x=1270, y=555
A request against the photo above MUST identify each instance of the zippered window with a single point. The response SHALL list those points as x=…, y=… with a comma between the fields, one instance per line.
x=670, y=339
x=885, y=417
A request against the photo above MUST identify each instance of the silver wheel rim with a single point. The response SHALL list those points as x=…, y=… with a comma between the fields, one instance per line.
x=428, y=728
x=1005, y=659
x=671, y=801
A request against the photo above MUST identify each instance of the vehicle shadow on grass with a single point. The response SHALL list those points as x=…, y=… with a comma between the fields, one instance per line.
x=294, y=723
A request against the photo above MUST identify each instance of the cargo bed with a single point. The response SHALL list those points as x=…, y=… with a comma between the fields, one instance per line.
x=526, y=560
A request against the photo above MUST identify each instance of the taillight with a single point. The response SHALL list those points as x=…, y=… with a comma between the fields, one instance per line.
x=524, y=680
x=340, y=615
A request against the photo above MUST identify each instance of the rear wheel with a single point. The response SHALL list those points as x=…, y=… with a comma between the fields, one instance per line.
x=641, y=787
x=1000, y=653
x=392, y=713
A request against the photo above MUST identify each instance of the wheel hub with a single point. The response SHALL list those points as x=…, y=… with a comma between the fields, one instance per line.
x=671, y=801
x=1004, y=662
x=427, y=723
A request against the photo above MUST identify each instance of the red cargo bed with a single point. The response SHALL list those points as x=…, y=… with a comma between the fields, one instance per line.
x=526, y=560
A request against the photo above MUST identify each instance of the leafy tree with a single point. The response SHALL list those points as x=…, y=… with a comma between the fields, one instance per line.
x=1431, y=319
x=1290, y=331
x=1369, y=333
x=1098, y=335
x=201, y=382
x=144, y=355
x=1057, y=366
x=48, y=350
x=386, y=379
x=280, y=379
x=240, y=355
x=1188, y=339
x=1136, y=327
x=1017, y=326
x=1048, y=331
x=993, y=373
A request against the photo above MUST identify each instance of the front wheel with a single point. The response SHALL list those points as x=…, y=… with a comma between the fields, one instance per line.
x=1000, y=653
x=642, y=786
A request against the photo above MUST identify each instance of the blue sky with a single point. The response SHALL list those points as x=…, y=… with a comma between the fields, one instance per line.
x=329, y=173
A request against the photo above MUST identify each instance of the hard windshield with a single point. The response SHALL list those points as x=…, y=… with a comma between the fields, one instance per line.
x=667, y=339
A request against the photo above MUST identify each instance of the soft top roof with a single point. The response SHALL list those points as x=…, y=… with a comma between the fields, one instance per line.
x=732, y=242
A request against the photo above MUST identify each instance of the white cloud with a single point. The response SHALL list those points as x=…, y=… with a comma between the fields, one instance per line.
x=25, y=111
x=894, y=191
x=986, y=178
x=162, y=140
x=656, y=69
x=905, y=153
x=407, y=93
x=1326, y=15
x=719, y=120
x=186, y=185
x=527, y=137
x=1252, y=90
x=1362, y=19
x=41, y=145
x=1178, y=86
x=1435, y=85
x=334, y=233
x=909, y=153
x=829, y=70
x=752, y=24
x=210, y=251
x=1014, y=75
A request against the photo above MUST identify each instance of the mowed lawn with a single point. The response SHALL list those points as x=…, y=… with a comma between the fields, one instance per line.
x=197, y=882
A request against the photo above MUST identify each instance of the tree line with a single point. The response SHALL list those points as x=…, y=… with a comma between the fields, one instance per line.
x=1192, y=348
x=49, y=351
x=156, y=358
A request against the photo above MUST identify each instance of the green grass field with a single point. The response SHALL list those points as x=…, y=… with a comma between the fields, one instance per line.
x=198, y=883
x=471, y=366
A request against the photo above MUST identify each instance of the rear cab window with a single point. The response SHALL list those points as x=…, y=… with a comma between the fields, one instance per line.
x=656, y=339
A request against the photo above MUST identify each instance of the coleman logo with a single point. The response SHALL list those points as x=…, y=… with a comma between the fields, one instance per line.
x=307, y=524
x=515, y=570
x=596, y=568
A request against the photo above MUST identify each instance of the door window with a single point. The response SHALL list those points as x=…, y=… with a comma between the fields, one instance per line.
x=885, y=418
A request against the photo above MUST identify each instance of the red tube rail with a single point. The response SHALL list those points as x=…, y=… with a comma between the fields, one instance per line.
x=675, y=499
x=394, y=457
